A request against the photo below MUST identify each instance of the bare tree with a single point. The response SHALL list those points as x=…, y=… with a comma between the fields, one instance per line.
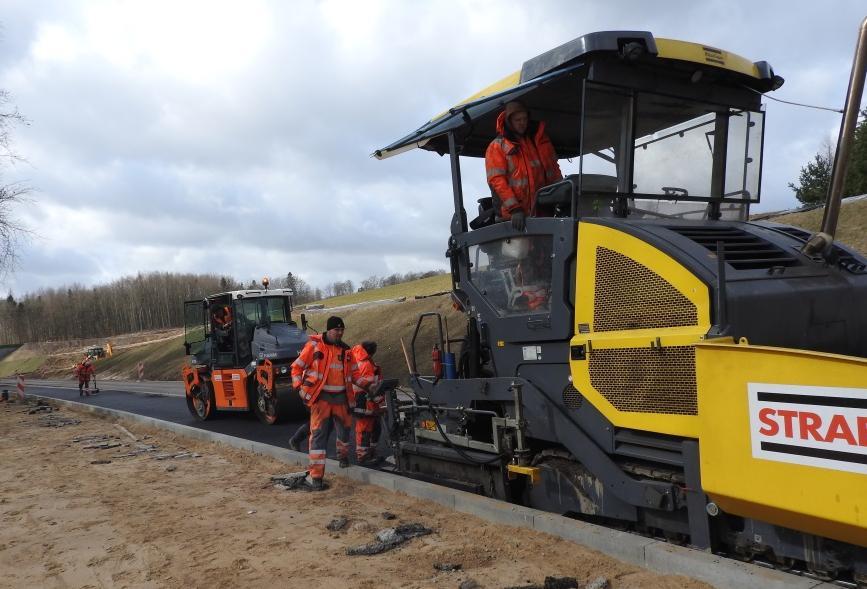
x=10, y=194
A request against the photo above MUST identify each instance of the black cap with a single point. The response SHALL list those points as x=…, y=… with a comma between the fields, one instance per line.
x=334, y=322
x=369, y=347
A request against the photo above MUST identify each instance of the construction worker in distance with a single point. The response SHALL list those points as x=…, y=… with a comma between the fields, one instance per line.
x=84, y=371
x=365, y=400
x=322, y=374
x=518, y=162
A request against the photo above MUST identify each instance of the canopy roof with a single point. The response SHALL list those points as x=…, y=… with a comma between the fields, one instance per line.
x=553, y=79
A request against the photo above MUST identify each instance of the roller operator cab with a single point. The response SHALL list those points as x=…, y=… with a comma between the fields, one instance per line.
x=645, y=355
x=241, y=345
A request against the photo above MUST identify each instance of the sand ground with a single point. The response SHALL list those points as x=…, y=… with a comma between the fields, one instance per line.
x=72, y=516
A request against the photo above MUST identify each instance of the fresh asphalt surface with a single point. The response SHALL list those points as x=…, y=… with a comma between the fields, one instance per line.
x=165, y=400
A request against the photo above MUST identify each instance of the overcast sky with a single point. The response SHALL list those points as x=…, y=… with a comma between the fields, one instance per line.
x=234, y=137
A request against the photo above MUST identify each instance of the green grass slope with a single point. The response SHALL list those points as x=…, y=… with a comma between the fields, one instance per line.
x=14, y=364
x=423, y=286
x=162, y=361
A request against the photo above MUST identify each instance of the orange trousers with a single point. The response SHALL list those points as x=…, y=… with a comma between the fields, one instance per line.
x=364, y=443
x=323, y=417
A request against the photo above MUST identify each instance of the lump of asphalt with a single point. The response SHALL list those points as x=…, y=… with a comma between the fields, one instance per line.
x=388, y=539
x=337, y=524
x=561, y=583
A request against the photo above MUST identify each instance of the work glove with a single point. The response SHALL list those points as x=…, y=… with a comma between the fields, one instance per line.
x=518, y=220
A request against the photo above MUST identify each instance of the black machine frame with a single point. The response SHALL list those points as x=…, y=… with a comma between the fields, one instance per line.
x=460, y=432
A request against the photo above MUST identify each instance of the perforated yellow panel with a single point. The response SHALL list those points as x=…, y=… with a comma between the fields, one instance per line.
x=638, y=314
x=630, y=295
x=647, y=380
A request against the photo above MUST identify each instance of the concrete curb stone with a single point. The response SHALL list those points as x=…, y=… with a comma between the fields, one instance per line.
x=658, y=556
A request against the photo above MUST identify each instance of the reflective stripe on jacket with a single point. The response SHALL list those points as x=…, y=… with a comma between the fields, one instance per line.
x=310, y=371
x=516, y=169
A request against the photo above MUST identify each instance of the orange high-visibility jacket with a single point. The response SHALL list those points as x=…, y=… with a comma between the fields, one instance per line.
x=517, y=168
x=223, y=318
x=310, y=370
x=365, y=376
x=83, y=371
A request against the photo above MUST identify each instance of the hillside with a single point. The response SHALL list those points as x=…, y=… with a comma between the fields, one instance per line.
x=388, y=324
x=423, y=286
x=163, y=356
x=56, y=359
x=851, y=228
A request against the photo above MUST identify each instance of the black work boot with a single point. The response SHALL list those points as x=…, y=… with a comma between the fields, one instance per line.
x=293, y=445
x=344, y=462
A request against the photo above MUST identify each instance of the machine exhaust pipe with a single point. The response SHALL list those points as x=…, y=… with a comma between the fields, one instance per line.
x=822, y=241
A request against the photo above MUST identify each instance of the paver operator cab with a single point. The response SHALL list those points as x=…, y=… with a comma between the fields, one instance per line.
x=646, y=355
x=240, y=345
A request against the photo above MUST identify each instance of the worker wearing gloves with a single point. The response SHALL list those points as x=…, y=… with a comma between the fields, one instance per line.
x=520, y=161
x=322, y=375
x=365, y=400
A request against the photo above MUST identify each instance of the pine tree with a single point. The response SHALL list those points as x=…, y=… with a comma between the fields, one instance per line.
x=814, y=179
x=856, y=175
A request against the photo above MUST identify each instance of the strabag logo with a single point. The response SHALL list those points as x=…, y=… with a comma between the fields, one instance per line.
x=814, y=426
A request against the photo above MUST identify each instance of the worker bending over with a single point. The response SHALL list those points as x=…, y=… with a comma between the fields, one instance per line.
x=365, y=400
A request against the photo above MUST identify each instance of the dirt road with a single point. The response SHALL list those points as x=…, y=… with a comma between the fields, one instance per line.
x=156, y=510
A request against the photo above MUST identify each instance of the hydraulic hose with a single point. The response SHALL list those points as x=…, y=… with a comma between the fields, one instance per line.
x=455, y=447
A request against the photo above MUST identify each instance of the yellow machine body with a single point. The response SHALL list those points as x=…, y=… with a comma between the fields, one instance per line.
x=782, y=433
x=783, y=437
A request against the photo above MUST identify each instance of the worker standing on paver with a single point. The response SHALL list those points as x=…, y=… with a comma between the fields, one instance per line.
x=518, y=162
x=365, y=400
x=322, y=375
x=84, y=371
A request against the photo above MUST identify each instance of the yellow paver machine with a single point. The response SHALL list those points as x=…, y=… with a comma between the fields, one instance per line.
x=644, y=355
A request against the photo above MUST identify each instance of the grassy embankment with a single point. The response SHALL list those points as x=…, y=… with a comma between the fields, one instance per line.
x=851, y=228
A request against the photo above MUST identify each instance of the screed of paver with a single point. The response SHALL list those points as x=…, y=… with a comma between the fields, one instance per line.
x=215, y=520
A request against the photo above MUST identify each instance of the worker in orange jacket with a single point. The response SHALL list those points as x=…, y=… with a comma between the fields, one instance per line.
x=322, y=374
x=365, y=399
x=222, y=325
x=84, y=371
x=518, y=162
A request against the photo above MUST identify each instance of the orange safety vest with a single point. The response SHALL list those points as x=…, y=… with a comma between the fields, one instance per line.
x=318, y=365
x=83, y=371
x=365, y=375
x=517, y=168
